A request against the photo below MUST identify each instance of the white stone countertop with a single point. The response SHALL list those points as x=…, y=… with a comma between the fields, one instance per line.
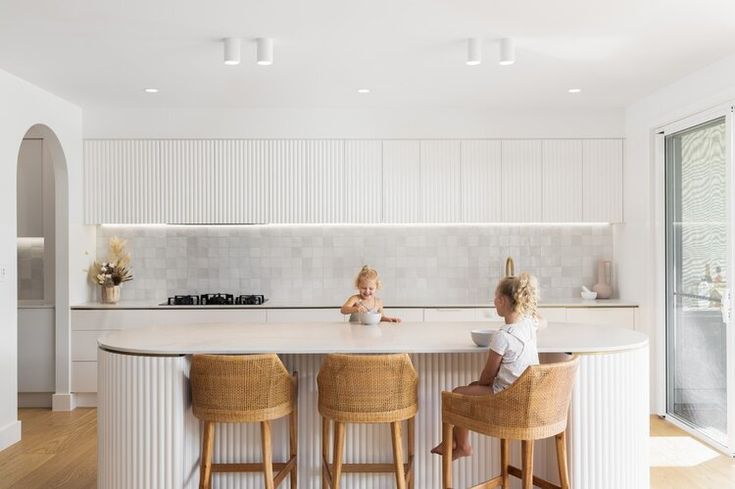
x=290, y=305
x=314, y=338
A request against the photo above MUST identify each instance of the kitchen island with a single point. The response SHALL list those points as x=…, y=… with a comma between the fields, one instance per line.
x=148, y=436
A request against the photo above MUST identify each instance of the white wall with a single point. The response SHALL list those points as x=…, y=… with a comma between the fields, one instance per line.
x=634, y=241
x=337, y=123
x=24, y=105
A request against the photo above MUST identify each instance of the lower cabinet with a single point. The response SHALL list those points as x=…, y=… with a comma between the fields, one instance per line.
x=36, y=350
x=621, y=317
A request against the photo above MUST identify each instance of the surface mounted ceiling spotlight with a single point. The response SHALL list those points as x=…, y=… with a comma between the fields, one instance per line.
x=474, y=51
x=232, y=51
x=265, y=51
x=507, y=51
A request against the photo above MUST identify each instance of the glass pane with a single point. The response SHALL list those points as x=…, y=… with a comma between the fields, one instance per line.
x=696, y=255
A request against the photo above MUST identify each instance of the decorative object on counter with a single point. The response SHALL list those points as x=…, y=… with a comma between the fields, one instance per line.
x=587, y=294
x=217, y=299
x=113, y=272
x=509, y=267
x=602, y=287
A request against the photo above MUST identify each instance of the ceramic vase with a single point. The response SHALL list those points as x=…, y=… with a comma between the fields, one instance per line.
x=110, y=295
x=602, y=287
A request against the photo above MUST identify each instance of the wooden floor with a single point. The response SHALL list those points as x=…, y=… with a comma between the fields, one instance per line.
x=59, y=450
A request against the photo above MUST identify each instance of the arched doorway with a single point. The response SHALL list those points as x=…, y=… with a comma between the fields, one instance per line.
x=43, y=270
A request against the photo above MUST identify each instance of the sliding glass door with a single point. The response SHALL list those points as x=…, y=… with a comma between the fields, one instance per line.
x=697, y=276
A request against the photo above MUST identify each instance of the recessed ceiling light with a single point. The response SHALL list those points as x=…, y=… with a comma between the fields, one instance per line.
x=151, y=90
x=363, y=90
x=575, y=90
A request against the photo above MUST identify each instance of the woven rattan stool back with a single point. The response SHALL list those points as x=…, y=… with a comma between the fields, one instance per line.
x=240, y=388
x=368, y=388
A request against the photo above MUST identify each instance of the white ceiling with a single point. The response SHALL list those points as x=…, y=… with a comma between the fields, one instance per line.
x=411, y=53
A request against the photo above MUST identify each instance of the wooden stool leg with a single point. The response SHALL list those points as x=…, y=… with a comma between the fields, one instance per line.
x=447, y=439
x=205, y=468
x=527, y=447
x=293, y=443
x=339, y=445
x=325, y=451
x=561, y=456
x=395, y=433
x=265, y=435
x=411, y=447
x=504, y=461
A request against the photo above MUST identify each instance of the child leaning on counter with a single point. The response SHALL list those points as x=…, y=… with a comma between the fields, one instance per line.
x=512, y=348
x=367, y=283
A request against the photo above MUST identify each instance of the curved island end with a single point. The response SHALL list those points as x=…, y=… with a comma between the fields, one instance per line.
x=148, y=436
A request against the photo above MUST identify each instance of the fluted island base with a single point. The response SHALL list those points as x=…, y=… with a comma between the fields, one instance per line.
x=148, y=437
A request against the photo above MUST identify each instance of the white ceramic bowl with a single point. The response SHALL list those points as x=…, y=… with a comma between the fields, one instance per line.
x=370, y=317
x=483, y=337
x=589, y=295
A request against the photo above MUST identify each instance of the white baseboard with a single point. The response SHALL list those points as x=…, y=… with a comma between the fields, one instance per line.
x=85, y=399
x=62, y=402
x=35, y=399
x=9, y=434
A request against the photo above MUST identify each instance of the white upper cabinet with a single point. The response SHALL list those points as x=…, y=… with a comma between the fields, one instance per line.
x=481, y=189
x=602, y=176
x=357, y=181
x=522, y=181
x=402, y=181
x=562, y=181
x=363, y=187
x=306, y=181
x=440, y=181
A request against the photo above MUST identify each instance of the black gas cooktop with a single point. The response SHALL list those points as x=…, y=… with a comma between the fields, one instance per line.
x=217, y=299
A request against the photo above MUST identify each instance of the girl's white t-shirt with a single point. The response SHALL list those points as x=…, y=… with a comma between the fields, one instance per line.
x=516, y=343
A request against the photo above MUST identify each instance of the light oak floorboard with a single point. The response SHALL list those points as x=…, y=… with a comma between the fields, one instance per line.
x=680, y=461
x=56, y=451
x=59, y=451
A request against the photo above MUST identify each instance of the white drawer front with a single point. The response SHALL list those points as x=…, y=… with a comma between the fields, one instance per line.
x=452, y=314
x=409, y=314
x=622, y=317
x=304, y=315
x=84, y=345
x=553, y=314
x=84, y=376
x=106, y=319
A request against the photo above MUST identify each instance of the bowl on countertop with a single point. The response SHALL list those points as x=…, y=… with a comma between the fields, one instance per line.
x=370, y=318
x=483, y=337
x=588, y=296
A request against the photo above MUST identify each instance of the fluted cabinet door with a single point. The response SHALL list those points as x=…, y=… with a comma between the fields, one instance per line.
x=440, y=181
x=123, y=181
x=363, y=187
x=306, y=181
x=402, y=181
x=562, y=180
x=481, y=181
x=522, y=181
x=602, y=175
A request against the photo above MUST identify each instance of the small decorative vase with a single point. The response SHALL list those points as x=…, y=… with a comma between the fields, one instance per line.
x=110, y=295
x=602, y=287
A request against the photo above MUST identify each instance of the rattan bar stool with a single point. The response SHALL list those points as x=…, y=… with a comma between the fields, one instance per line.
x=367, y=389
x=536, y=406
x=244, y=389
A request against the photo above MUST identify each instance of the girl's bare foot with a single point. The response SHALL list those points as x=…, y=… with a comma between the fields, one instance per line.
x=456, y=451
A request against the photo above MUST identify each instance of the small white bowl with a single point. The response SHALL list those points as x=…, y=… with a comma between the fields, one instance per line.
x=589, y=296
x=369, y=318
x=483, y=337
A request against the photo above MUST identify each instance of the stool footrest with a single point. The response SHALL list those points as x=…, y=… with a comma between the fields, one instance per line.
x=537, y=481
x=491, y=484
x=283, y=468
